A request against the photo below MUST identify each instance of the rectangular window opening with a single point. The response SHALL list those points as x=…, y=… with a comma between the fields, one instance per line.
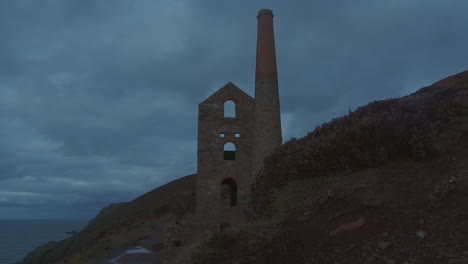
x=237, y=135
x=222, y=134
x=229, y=155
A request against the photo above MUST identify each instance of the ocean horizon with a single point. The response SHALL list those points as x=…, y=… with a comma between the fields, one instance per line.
x=18, y=237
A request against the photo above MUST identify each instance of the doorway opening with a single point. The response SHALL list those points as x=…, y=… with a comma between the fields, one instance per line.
x=229, y=192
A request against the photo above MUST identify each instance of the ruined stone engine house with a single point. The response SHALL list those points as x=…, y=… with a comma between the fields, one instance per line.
x=236, y=132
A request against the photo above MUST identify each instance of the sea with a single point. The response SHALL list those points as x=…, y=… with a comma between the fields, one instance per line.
x=19, y=237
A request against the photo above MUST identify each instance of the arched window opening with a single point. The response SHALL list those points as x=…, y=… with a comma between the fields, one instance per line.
x=229, y=109
x=229, y=151
x=229, y=193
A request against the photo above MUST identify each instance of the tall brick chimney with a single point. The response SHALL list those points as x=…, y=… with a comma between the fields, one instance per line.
x=267, y=107
x=266, y=55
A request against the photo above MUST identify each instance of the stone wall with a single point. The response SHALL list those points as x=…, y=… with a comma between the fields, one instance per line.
x=212, y=168
x=267, y=121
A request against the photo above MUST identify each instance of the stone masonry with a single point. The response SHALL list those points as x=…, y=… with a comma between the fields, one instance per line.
x=225, y=175
x=257, y=124
x=212, y=168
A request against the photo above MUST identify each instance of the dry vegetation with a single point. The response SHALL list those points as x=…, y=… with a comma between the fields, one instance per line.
x=371, y=136
x=383, y=184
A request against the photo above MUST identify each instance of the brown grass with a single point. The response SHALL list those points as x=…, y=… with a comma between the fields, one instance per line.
x=370, y=136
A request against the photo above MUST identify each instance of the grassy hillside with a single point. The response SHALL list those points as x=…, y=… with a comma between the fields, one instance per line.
x=387, y=183
x=374, y=134
x=120, y=224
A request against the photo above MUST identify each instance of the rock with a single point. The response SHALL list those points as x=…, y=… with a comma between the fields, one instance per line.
x=421, y=221
x=349, y=227
x=421, y=234
x=391, y=261
x=385, y=234
x=307, y=213
x=370, y=259
x=383, y=244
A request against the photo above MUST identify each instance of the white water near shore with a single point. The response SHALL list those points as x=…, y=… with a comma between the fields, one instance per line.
x=19, y=237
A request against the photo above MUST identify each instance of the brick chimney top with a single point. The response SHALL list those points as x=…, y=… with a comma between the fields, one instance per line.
x=266, y=54
x=264, y=12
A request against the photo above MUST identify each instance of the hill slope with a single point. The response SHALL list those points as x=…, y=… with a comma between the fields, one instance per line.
x=412, y=127
x=387, y=183
x=121, y=224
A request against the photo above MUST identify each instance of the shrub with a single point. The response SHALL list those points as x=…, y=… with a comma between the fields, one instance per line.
x=367, y=137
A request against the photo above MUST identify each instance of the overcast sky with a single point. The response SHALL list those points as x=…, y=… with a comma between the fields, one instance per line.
x=99, y=99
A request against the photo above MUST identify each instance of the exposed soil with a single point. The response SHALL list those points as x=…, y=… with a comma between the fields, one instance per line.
x=417, y=212
x=430, y=235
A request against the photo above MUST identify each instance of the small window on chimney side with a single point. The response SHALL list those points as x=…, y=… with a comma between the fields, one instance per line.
x=222, y=134
x=237, y=135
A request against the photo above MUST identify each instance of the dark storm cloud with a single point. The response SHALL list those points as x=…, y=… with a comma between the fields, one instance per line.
x=98, y=100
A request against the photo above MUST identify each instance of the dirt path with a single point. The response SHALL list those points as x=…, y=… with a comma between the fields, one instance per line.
x=144, y=251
